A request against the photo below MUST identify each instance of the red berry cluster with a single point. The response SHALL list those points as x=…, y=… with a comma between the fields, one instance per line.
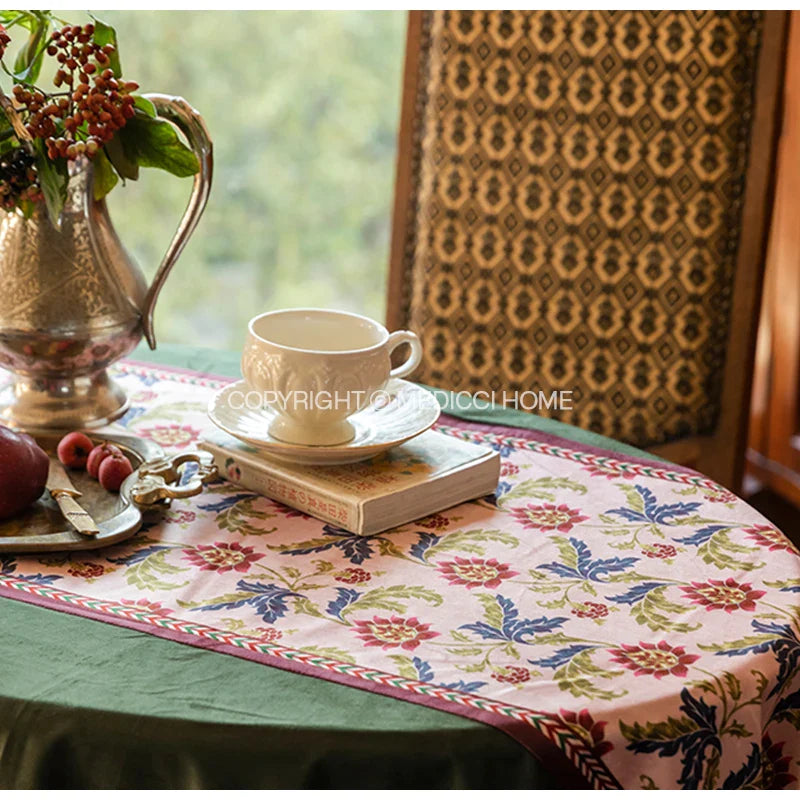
x=512, y=674
x=86, y=569
x=5, y=40
x=434, y=522
x=590, y=610
x=94, y=104
x=269, y=634
x=353, y=575
x=660, y=551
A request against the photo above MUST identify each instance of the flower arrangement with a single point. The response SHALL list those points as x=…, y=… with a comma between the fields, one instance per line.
x=90, y=113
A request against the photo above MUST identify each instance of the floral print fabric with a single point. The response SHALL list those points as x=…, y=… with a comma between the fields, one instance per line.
x=644, y=620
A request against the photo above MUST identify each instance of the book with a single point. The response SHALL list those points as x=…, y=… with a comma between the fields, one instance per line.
x=425, y=475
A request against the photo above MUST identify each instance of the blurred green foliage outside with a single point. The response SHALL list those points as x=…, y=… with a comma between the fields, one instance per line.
x=303, y=108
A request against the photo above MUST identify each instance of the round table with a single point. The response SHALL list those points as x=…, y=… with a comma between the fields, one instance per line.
x=87, y=705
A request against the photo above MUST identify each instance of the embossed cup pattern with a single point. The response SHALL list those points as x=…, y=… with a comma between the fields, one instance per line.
x=314, y=392
x=314, y=395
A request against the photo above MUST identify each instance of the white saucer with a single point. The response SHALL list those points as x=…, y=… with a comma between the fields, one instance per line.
x=409, y=412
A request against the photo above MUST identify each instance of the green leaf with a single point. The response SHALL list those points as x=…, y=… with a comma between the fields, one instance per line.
x=302, y=605
x=579, y=675
x=292, y=572
x=736, y=728
x=628, y=544
x=143, y=104
x=28, y=63
x=127, y=168
x=734, y=685
x=304, y=586
x=785, y=583
x=511, y=651
x=105, y=179
x=648, y=612
x=465, y=651
x=546, y=587
x=230, y=597
x=695, y=520
x=311, y=544
x=155, y=143
x=568, y=554
x=146, y=574
x=244, y=518
x=27, y=19
x=718, y=551
x=389, y=548
x=555, y=638
x=633, y=497
x=479, y=667
x=667, y=731
x=384, y=598
x=492, y=612
x=405, y=667
x=540, y=489
x=762, y=682
x=537, y=574
x=583, y=661
x=334, y=653
x=470, y=542
x=706, y=686
x=53, y=178
x=738, y=644
x=104, y=34
x=552, y=603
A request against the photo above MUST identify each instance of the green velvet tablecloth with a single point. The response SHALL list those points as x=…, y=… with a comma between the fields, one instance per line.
x=89, y=705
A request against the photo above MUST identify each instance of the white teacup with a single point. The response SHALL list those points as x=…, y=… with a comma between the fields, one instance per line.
x=315, y=368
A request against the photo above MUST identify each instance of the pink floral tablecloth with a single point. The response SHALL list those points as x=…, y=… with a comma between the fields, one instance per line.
x=628, y=617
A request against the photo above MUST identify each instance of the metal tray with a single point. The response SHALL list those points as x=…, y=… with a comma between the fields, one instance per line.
x=155, y=481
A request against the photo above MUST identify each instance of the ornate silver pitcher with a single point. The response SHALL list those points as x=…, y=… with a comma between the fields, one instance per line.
x=72, y=301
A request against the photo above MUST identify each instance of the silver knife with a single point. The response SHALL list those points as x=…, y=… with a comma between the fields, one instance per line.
x=65, y=494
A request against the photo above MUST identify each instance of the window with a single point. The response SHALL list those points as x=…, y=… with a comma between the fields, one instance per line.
x=303, y=108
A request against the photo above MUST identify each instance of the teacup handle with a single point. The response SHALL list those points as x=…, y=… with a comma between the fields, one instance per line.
x=412, y=362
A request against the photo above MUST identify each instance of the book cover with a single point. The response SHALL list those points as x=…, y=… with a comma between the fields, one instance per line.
x=425, y=475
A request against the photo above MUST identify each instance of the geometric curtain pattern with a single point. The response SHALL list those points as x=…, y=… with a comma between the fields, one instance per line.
x=576, y=209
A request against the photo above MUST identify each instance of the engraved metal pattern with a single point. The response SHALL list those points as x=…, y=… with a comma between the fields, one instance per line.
x=58, y=280
x=160, y=482
x=72, y=301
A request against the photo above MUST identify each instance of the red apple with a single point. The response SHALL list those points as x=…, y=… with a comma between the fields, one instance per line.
x=98, y=455
x=23, y=471
x=73, y=450
x=113, y=471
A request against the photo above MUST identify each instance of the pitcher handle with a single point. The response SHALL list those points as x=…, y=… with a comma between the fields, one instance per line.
x=177, y=111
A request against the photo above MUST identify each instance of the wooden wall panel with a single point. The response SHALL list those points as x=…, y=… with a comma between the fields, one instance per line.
x=774, y=439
